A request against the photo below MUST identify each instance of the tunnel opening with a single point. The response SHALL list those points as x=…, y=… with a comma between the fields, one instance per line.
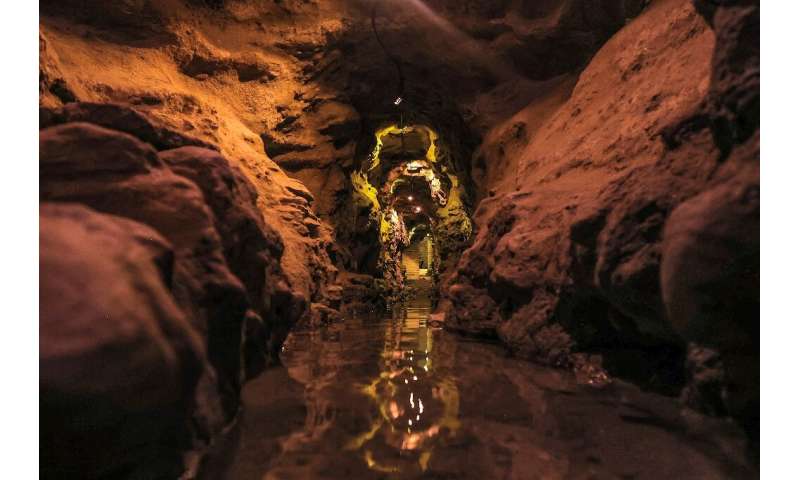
x=414, y=195
x=419, y=255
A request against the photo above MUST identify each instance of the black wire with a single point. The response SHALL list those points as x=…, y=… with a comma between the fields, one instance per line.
x=401, y=82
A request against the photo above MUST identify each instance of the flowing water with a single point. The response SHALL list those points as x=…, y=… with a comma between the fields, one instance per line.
x=393, y=397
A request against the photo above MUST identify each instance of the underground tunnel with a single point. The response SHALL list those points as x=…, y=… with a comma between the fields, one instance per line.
x=489, y=239
x=411, y=190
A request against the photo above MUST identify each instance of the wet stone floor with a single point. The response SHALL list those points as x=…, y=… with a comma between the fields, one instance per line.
x=393, y=397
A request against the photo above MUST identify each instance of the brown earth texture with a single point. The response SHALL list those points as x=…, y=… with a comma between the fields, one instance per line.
x=589, y=174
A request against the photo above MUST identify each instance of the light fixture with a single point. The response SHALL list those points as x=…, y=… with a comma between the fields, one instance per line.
x=418, y=209
x=410, y=198
x=398, y=100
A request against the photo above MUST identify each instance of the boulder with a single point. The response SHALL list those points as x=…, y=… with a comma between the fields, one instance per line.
x=78, y=149
x=118, y=360
x=710, y=277
x=710, y=281
x=568, y=244
x=252, y=249
x=123, y=176
x=119, y=117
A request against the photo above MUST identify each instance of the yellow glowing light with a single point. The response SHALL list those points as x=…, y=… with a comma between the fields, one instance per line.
x=379, y=135
x=394, y=129
x=415, y=165
x=431, y=153
x=423, y=460
x=371, y=463
x=451, y=215
x=383, y=391
x=365, y=191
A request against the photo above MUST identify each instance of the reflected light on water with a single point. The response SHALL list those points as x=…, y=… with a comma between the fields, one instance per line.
x=371, y=390
x=431, y=395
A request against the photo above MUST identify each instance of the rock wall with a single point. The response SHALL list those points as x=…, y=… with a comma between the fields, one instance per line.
x=144, y=118
x=293, y=91
x=458, y=67
x=217, y=266
x=230, y=128
x=195, y=72
x=195, y=165
x=118, y=358
x=572, y=254
x=710, y=279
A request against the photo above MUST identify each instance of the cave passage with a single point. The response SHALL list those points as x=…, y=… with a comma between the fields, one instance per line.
x=414, y=192
x=399, y=239
x=393, y=395
x=418, y=258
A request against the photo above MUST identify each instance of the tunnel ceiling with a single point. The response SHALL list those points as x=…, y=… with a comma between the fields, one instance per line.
x=311, y=84
x=457, y=67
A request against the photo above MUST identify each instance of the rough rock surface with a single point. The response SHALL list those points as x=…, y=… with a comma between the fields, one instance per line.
x=189, y=81
x=123, y=176
x=572, y=252
x=223, y=269
x=568, y=247
x=119, y=117
x=300, y=86
x=118, y=359
x=710, y=270
x=251, y=248
x=618, y=149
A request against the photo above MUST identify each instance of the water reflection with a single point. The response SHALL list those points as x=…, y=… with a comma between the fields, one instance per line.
x=391, y=397
x=378, y=395
x=417, y=400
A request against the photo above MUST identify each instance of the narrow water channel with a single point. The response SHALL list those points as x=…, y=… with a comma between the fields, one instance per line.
x=394, y=397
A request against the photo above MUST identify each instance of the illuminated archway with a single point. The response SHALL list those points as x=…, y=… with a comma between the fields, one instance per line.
x=408, y=183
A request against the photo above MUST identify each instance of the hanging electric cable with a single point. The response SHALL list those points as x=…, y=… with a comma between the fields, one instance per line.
x=398, y=66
